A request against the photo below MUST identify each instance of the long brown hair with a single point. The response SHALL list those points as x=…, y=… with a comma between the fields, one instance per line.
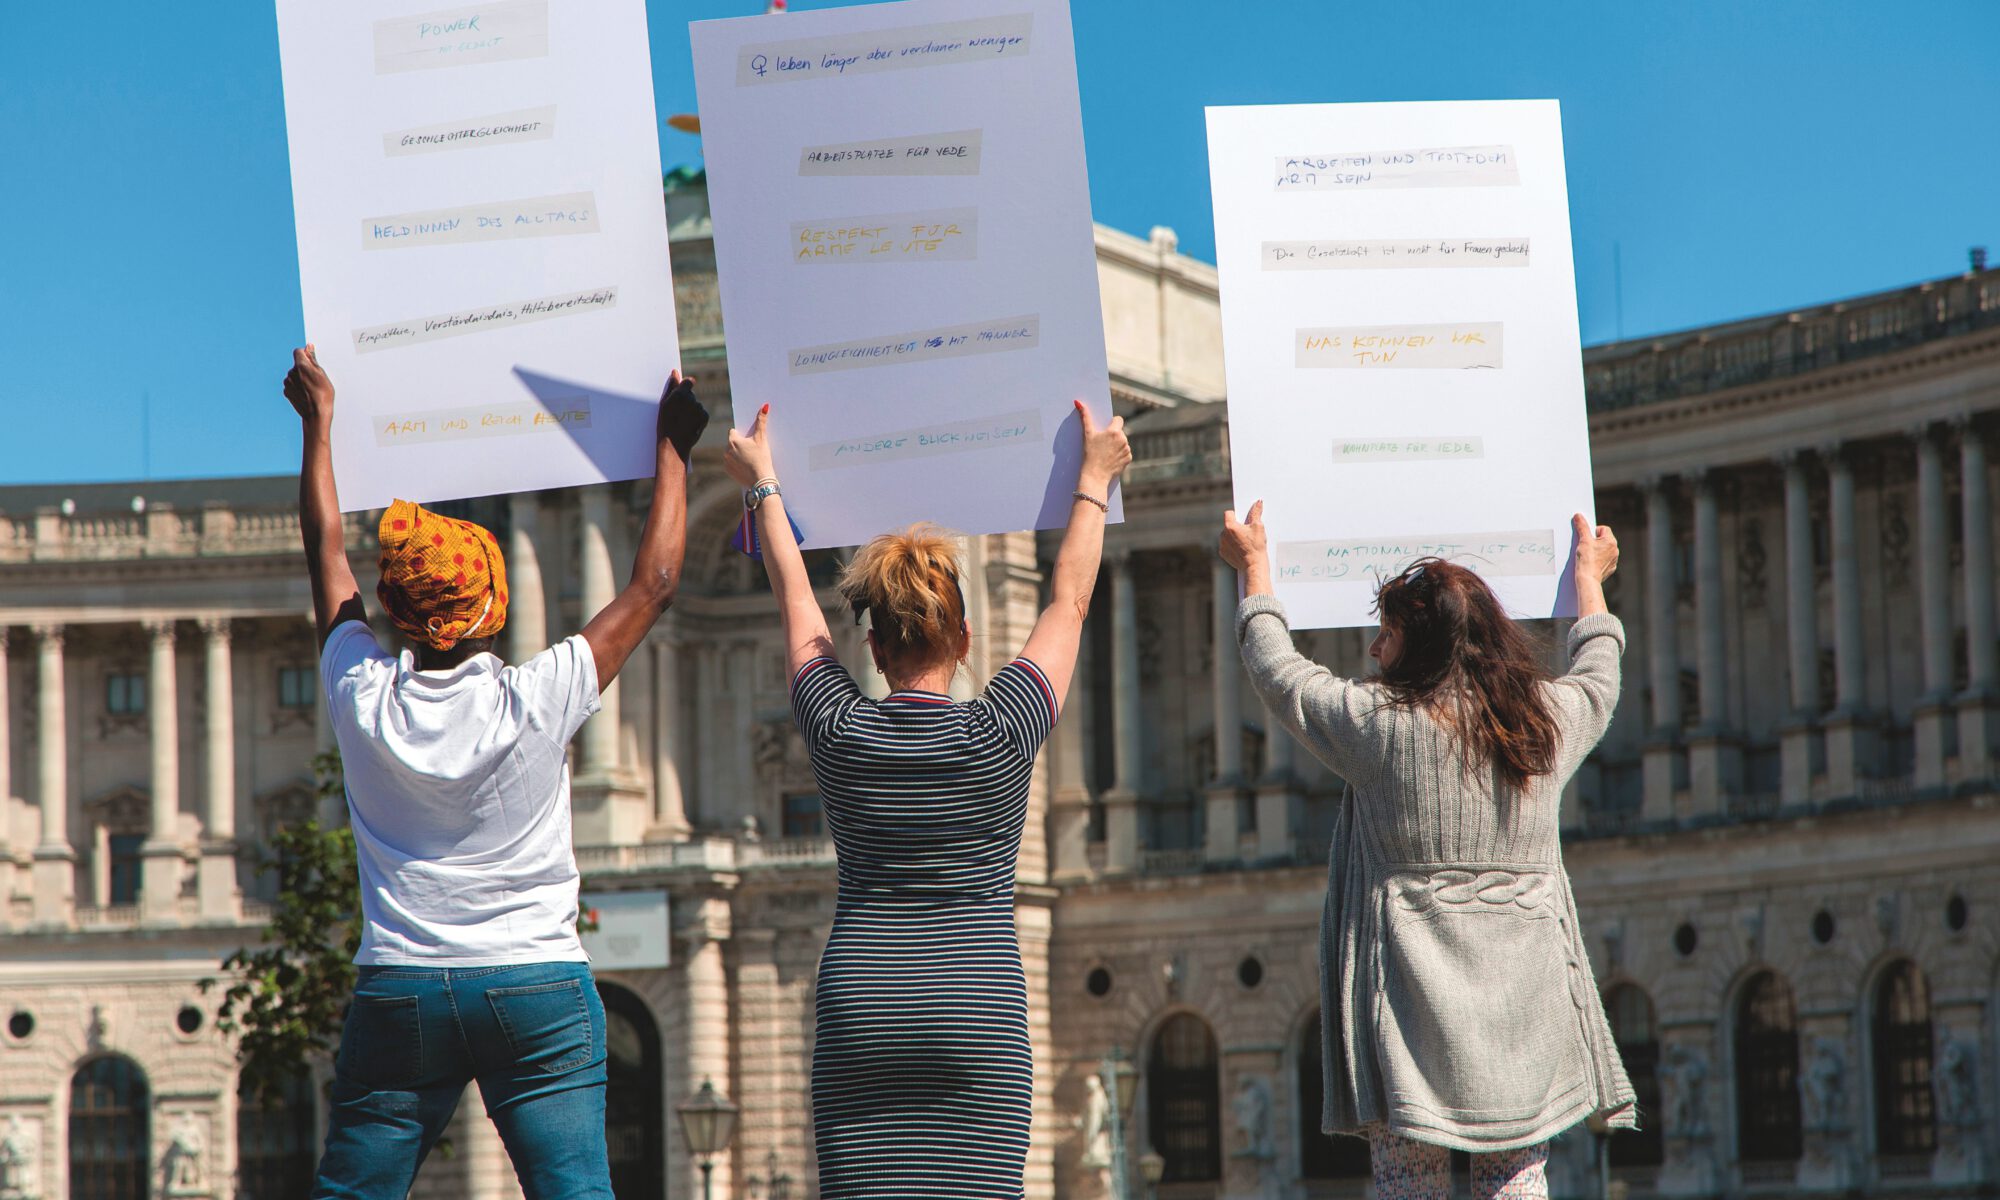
x=1465, y=659
x=907, y=583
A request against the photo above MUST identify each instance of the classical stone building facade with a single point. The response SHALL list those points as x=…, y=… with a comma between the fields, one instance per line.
x=1787, y=849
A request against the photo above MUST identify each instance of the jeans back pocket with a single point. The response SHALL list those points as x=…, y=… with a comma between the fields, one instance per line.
x=547, y=1025
x=381, y=1043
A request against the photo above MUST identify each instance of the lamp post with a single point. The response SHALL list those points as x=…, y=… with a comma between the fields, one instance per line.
x=1121, y=1083
x=1151, y=1167
x=1597, y=1125
x=708, y=1121
x=775, y=1185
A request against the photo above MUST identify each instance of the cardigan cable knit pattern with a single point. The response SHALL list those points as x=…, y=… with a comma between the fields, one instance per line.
x=1458, y=1003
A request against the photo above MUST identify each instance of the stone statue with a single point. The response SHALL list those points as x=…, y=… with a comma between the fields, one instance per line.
x=1252, y=1110
x=1958, y=1081
x=1095, y=1123
x=20, y=1160
x=181, y=1166
x=1685, y=1075
x=1824, y=1084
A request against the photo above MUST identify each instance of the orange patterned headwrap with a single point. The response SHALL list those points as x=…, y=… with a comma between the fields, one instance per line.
x=443, y=579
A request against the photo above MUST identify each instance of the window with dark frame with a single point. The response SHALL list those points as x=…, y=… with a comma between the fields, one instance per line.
x=802, y=816
x=124, y=866
x=1905, y=1108
x=276, y=1138
x=295, y=688
x=1767, y=1073
x=1634, y=1030
x=125, y=694
x=1183, y=1100
x=110, y=1130
x=1322, y=1155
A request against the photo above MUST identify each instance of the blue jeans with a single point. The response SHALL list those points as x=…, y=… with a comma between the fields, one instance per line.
x=532, y=1035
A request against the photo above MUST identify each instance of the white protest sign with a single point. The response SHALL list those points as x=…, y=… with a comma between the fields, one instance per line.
x=1399, y=325
x=482, y=240
x=907, y=264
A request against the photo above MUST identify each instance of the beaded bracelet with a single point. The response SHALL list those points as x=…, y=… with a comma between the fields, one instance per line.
x=1087, y=498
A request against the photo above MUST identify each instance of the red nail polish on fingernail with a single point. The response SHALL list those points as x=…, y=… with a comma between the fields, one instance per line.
x=767, y=408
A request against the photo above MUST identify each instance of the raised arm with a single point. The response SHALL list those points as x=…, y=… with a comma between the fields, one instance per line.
x=336, y=595
x=1587, y=697
x=749, y=464
x=616, y=632
x=1330, y=715
x=1058, y=631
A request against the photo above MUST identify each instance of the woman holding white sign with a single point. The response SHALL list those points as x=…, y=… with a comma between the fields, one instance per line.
x=1457, y=1003
x=922, y=1073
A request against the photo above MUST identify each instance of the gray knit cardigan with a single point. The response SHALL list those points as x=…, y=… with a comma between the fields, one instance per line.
x=1458, y=1007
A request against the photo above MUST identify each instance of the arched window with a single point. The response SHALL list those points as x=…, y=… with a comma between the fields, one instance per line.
x=110, y=1130
x=1183, y=1100
x=276, y=1146
x=1767, y=1072
x=1905, y=1113
x=633, y=1116
x=1321, y=1155
x=1633, y=1028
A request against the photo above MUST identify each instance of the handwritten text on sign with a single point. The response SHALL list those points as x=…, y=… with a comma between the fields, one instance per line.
x=1390, y=253
x=484, y=421
x=500, y=129
x=1423, y=449
x=952, y=437
x=461, y=37
x=944, y=235
x=957, y=341
x=1473, y=344
x=479, y=320
x=923, y=154
x=540, y=216
x=1445, y=166
x=1364, y=560
x=842, y=55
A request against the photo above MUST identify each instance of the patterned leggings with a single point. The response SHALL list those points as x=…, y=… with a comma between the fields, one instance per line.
x=1413, y=1170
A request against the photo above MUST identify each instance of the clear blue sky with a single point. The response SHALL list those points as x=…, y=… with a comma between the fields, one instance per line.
x=1745, y=156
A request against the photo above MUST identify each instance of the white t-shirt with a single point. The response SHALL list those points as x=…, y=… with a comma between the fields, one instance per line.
x=458, y=786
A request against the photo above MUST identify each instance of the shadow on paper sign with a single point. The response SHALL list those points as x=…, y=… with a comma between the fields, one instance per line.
x=606, y=426
x=1066, y=451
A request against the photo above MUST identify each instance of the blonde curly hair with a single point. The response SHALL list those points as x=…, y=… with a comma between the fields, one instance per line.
x=907, y=583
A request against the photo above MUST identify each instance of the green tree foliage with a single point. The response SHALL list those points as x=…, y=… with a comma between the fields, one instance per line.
x=288, y=996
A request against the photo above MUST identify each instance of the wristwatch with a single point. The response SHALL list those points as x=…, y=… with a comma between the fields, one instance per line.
x=765, y=489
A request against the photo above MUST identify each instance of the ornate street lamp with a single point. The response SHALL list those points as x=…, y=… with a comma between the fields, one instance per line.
x=708, y=1121
x=1121, y=1083
x=1151, y=1167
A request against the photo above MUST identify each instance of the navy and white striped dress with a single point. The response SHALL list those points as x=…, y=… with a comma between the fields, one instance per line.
x=922, y=1076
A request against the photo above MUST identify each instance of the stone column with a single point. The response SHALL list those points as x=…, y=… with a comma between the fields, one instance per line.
x=741, y=667
x=599, y=589
x=670, y=821
x=1225, y=791
x=709, y=752
x=55, y=858
x=1280, y=802
x=160, y=878
x=610, y=806
x=1798, y=751
x=1069, y=811
x=1661, y=759
x=1934, y=598
x=1121, y=803
x=1850, y=735
x=1978, y=707
x=1714, y=758
x=6, y=786
x=221, y=900
x=708, y=1029
x=527, y=601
